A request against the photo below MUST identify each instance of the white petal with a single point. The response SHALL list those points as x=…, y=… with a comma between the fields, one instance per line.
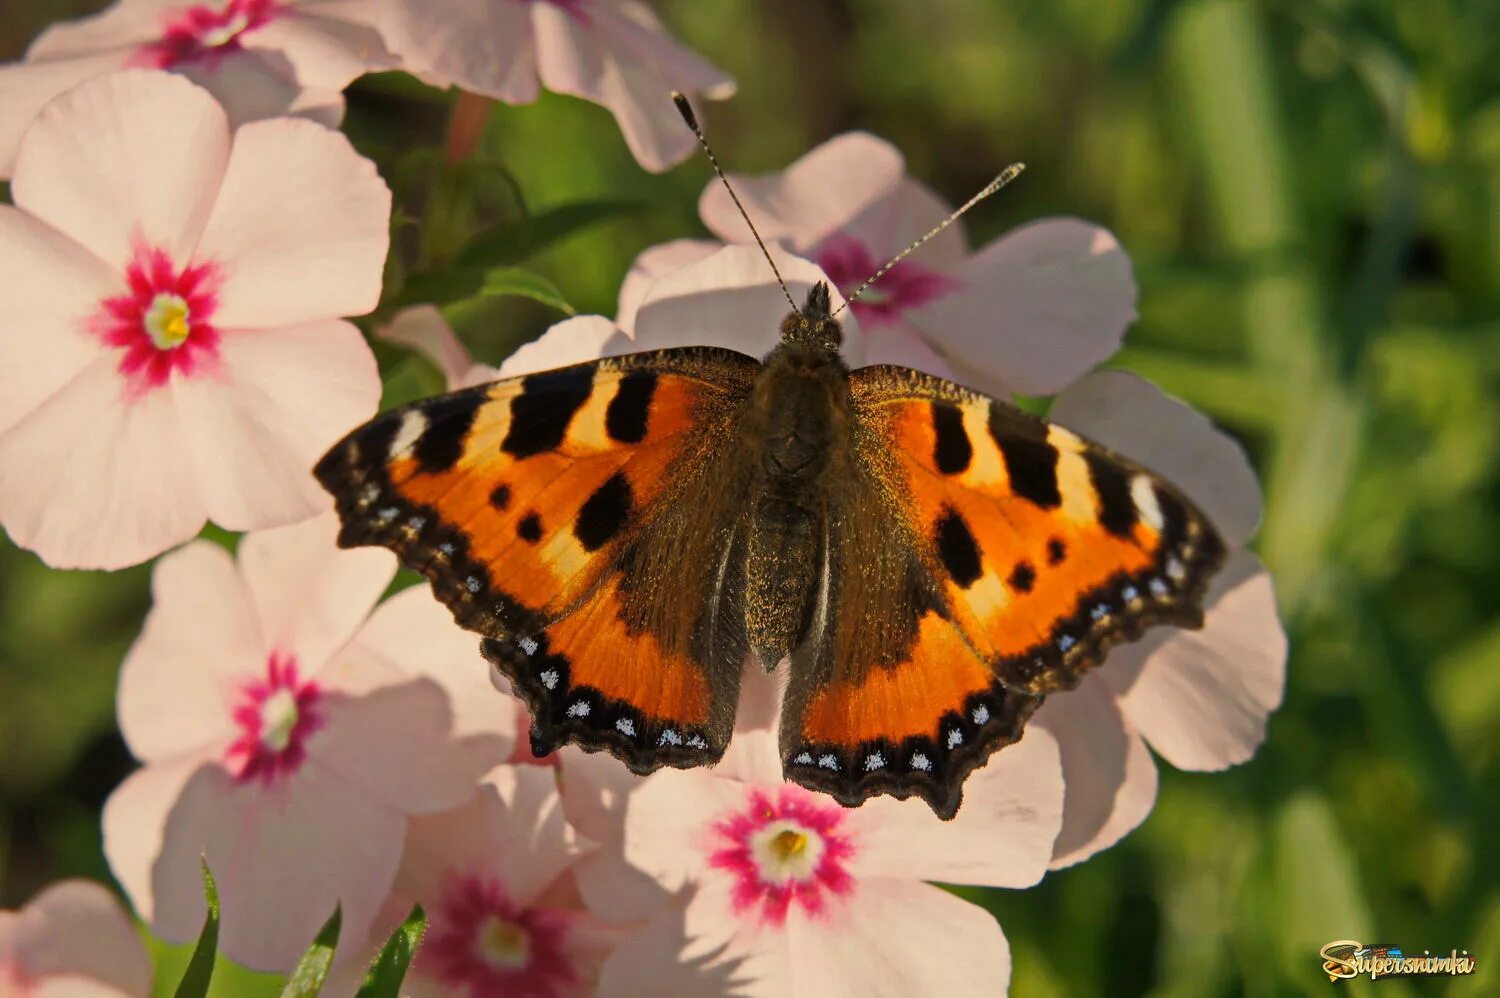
x=572, y=341
x=25, y=88
x=1038, y=307
x=309, y=595
x=200, y=643
x=651, y=266
x=818, y=195
x=74, y=933
x=316, y=249
x=1201, y=698
x=126, y=158
x=1108, y=772
x=49, y=289
x=479, y=45
x=1003, y=834
x=88, y=480
x=282, y=398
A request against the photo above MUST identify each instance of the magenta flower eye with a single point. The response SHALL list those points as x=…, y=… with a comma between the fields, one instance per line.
x=784, y=849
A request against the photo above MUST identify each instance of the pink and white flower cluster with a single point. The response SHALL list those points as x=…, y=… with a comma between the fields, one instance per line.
x=176, y=277
x=266, y=58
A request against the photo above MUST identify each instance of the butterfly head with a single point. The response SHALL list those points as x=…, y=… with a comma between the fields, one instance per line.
x=814, y=325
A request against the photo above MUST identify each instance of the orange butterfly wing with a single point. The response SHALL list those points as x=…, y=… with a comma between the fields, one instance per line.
x=1017, y=554
x=524, y=502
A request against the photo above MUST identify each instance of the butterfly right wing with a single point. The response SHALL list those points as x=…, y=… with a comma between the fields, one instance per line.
x=558, y=514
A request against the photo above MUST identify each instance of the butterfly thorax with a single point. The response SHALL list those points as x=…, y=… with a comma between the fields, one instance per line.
x=796, y=431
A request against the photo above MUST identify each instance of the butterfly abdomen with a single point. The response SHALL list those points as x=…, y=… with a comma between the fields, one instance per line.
x=796, y=436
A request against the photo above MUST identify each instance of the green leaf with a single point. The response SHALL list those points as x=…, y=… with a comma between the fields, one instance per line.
x=525, y=284
x=517, y=241
x=200, y=970
x=389, y=969
x=312, y=970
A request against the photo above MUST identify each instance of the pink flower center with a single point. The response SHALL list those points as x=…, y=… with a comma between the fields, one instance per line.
x=276, y=716
x=205, y=31
x=163, y=324
x=848, y=263
x=783, y=851
x=481, y=940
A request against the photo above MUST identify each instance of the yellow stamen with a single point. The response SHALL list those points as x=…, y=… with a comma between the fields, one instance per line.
x=788, y=844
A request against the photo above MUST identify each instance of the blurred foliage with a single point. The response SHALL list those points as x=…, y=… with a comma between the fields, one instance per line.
x=1310, y=190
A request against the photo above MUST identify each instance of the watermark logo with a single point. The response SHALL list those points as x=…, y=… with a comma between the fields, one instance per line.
x=1345, y=958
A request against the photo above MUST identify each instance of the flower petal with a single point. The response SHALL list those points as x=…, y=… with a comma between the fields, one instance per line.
x=252, y=85
x=26, y=87
x=324, y=49
x=395, y=743
x=314, y=250
x=1039, y=307
x=1002, y=837
x=652, y=265
x=416, y=633
x=478, y=45
x=891, y=224
x=1129, y=414
x=130, y=157
x=1108, y=771
x=118, y=28
x=731, y=299
x=899, y=342
x=668, y=822
x=572, y=341
x=309, y=595
x=512, y=827
x=200, y=641
x=814, y=197
x=283, y=856
x=629, y=67
x=49, y=288
x=88, y=480
x=75, y=929
x=1201, y=698
x=422, y=328
x=595, y=794
x=282, y=398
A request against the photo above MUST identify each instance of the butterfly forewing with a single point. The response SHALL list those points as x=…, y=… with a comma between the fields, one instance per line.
x=560, y=514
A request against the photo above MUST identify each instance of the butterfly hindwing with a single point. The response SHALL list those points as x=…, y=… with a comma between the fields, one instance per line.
x=538, y=507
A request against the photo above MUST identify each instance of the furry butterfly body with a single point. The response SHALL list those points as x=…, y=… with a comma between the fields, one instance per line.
x=928, y=563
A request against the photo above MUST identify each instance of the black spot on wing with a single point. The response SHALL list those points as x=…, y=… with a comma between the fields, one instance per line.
x=1023, y=577
x=530, y=528
x=1030, y=461
x=604, y=514
x=500, y=497
x=1056, y=551
x=449, y=420
x=1174, y=516
x=1117, y=512
x=957, y=549
x=951, y=450
x=626, y=417
x=540, y=414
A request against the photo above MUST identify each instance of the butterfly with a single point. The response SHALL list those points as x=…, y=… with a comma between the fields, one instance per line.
x=928, y=562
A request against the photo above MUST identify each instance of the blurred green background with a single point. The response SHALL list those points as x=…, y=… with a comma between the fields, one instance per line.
x=1310, y=191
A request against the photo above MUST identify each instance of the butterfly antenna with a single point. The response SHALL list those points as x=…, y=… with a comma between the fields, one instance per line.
x=686, y=110
x=1006, y=176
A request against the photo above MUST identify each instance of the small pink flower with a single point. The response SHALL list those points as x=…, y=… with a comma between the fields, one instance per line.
x=259, y=58
x=287, y=738
x=611, y=52
x=496, y=878
x=784, y=891
x=171, y=347
x=1029, y=313
x=72, y=939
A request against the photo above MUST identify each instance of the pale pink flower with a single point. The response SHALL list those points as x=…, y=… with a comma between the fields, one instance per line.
x=496, y=878
x=72, y=941
x=260, y=58
x=1029, y=313
x=1200, y=698
x=764, y=887
x=611, y=52
x=170, y=343
x=287, y=738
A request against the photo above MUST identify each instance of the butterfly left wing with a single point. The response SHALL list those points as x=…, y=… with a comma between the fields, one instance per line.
x=559, y=515
x=1007, y=557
